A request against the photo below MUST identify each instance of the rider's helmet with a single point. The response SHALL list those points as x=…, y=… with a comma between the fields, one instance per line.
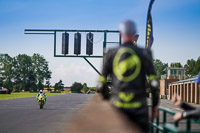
x=41, y=91
x=128, y=27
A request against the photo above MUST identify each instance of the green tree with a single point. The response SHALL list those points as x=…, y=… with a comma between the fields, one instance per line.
x=197, y=66
x=93, y=89
x=48, y=85
x=41, y=70
x=189, y=68
x=17, y=76
x=76, y=87
x=6, y=71
x=85, y=88
x=160, y=67
x=1, y=82
x=59, y=86
x=23, y=74
x=176, y=64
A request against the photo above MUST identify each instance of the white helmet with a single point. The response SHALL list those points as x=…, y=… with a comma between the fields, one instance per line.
x=41, y=91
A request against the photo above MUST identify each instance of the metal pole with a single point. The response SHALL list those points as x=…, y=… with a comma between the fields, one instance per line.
x=104, y=42
x=54, y=43
x=188, y=125
x=91, y=65
x=152, y=128
x=164, y=117
x=176, y=124
x=157, y=123
x=63, y=30
x=120, y=39
x=75, y=56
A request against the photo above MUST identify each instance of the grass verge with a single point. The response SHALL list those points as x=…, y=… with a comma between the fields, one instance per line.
x=23, y=95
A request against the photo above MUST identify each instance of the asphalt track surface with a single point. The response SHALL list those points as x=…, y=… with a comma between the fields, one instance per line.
x=24, y=116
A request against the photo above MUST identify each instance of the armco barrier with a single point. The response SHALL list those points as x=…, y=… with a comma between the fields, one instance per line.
x=172, y=128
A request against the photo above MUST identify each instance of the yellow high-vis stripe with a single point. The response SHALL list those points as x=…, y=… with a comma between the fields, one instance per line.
x=126, y=97
x=119, y=104
x=152, y=77
x=102, y=79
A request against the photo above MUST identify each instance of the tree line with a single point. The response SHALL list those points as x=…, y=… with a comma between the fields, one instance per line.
x=192, y=67
x=81, y=88
x=24, y=72
x=31, y=73
x=75, y=88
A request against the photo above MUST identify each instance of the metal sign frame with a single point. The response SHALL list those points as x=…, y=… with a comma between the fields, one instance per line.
x=54, y=32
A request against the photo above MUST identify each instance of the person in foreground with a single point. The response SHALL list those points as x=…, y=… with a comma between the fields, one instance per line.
x=128, y=66
x=189, y=111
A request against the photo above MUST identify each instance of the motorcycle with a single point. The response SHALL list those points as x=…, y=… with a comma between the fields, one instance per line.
x=41, y=100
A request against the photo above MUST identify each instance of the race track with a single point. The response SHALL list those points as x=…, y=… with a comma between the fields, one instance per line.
x=24, y=116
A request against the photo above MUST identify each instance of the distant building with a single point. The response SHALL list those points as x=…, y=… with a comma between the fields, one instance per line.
x=172, y=74
x=176, y=73
x=187, y=89
x=3, y=90
x=49, y=89
x=53, y=89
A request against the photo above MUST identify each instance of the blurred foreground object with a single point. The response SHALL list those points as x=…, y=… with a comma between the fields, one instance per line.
x=99, y=117
x=189, y=111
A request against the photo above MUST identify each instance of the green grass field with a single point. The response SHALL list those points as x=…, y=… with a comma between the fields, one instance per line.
x=22, y=95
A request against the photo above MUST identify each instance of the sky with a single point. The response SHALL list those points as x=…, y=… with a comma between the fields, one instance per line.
x=176, y=29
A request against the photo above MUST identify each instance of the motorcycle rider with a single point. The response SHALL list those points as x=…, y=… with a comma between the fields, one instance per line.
x=128, y=66
x=42, y=93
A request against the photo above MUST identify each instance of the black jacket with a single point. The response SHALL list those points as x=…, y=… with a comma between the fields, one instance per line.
x=190, y=112
x=128, y=67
